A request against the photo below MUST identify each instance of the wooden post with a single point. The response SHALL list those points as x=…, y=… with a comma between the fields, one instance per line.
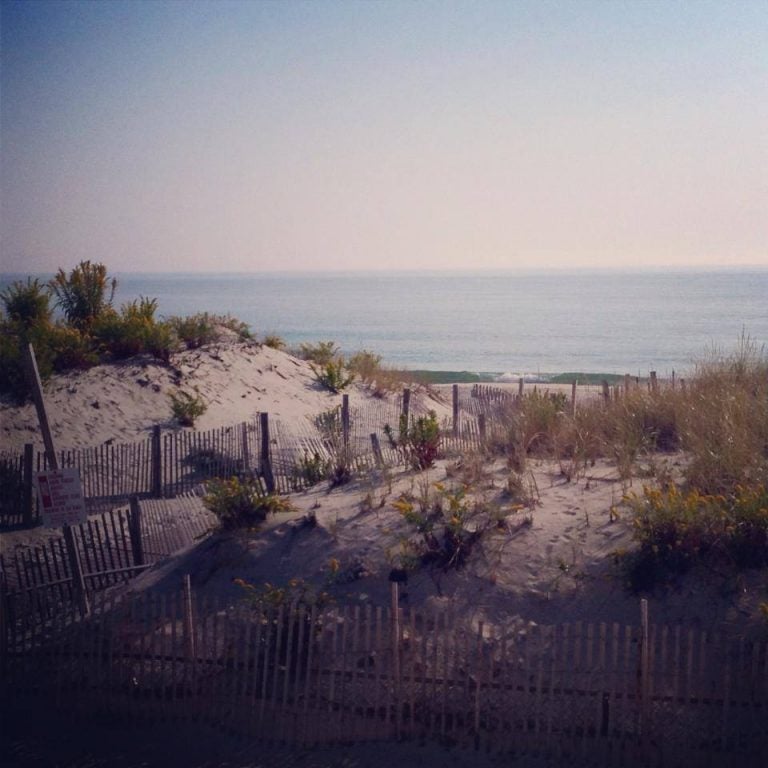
x=376, y=447
x=455, y=391
x=573, y=397
x=682, y=384
x=606, y=392
x=246, y=448
x=405, y=414
x=134, y=531
x=266, y=460
x=157, y=463
x=481, y=427
x=654, y=383
x=78, y=580
x=673, y=378
x=520, y=385
x=345, y=420
x=627, y=384
x=644, y=670
x=36, y=385
x=29, y=497
x=189, y=622
x=4, y=630
x=395, y=594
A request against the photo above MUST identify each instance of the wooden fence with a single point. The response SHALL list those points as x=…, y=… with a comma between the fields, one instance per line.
x=623, y=695
x=172, y=462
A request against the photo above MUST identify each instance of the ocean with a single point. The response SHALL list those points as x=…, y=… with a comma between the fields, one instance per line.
x=514, y=323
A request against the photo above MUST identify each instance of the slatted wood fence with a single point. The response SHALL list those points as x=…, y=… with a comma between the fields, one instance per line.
x=301, y=675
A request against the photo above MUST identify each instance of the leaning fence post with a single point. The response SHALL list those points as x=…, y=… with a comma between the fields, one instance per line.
x=134, y=531
x=157, y=463
x=266, y=460
x=27, y=471
x=456, y=410
x=76, y=567
x=376, y=447
x=189, y=623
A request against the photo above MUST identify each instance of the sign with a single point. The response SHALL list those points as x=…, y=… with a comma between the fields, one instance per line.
x=61, y=497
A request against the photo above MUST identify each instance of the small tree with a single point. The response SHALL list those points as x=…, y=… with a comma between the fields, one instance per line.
x=84, y=294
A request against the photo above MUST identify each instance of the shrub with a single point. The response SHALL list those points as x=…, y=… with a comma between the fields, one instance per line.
x=273, y=341
x=339, y=467
x=448, y=522
x=27, y=304
x=242, y=503
x=187, y=408
x=134, y=331
x=310, y=470
x=677, y=529
x=321, y=353
x=195, y=330
x=333, y=375
x=84, y=294
x=418, y=440
x=366, y=366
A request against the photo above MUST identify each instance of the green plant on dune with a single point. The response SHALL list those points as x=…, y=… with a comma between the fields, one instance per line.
x=84, y=294
x=333, y=375
x=187, y=408
x=242, y=503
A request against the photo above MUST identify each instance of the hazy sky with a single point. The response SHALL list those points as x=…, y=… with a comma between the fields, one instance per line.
x=246, y=136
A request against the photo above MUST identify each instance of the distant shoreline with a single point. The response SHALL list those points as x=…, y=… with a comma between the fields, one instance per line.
x=470, y=377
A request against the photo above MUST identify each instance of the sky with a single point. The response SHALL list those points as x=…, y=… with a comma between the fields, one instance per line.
x=326, y=135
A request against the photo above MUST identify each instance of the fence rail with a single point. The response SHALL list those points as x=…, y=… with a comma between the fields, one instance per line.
x=301, y=675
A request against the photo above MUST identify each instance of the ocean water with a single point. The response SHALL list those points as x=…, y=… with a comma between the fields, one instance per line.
x=526, y=322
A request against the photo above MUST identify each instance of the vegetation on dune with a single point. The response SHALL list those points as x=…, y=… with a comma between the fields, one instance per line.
x=242, y=503
x=91, y=330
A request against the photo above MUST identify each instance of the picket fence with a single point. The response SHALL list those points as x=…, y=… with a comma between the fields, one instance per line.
x=300, y=675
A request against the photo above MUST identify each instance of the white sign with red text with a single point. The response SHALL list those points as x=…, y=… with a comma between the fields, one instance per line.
x=61, y=497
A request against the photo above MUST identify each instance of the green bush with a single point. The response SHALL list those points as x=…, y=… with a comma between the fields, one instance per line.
x=366, y=366
x=27, y=304
x=677, y=530
x=321, y=353
x=242, y=503
x=333, y=375
x=134, y=331
x=84, y=294
x=419, y=440
x=195, y=330
x=187, y=408
x=273, y=341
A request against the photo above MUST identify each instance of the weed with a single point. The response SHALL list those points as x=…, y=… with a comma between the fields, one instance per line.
x=187, y=408
x=241, y=503
x=333, y=375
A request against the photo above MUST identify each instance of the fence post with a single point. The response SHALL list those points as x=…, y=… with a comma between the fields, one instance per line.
x=654, y=383
x=376, y=447
x=134, y=531
x=573, y=397
x=405, y=414
x=520, y=385
x=157, y=463
x=29, y=498
x=189, y=622
x=246, y=448
x=627, y=384
x=455, y=389
x=4, y=631
x=345, y=420
x=644, y=672
x=33, y=377
x=266, y=460
x=76, y=566
x=395, y=594
x=481, y=427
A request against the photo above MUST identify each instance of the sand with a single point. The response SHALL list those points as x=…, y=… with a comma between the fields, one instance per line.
x=557, y=559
